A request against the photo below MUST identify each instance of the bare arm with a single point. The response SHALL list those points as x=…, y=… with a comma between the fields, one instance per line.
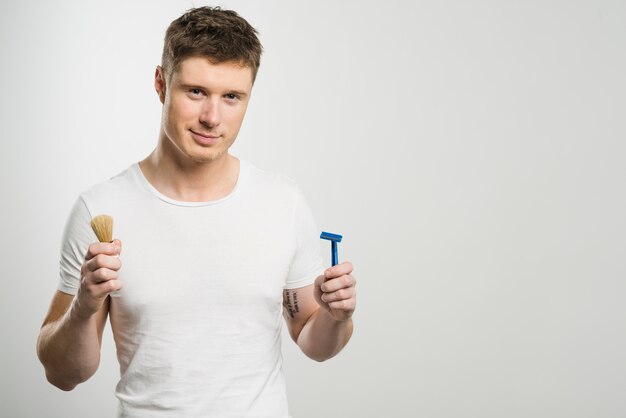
x=71, y=335
x=68, y=345
x=319, y=316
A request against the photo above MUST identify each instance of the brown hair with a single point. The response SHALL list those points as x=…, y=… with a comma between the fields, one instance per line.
x=220, y=35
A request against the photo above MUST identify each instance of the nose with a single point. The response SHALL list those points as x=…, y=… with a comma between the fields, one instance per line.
x=210, y=115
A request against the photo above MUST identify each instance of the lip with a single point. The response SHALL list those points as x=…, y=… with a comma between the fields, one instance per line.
x=204, y=139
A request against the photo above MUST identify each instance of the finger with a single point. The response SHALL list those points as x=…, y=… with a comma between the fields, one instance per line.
x=103, y=261
x=109, y=248
x=110, y=285
x=319, y=280
x=99, y=289
x=340, y=294
x=339, y=283
x=347, y=305
x=338, y=270
x=102, y=275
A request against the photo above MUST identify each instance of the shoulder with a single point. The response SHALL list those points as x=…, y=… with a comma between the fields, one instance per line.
x=120, y=187
x=271, y=182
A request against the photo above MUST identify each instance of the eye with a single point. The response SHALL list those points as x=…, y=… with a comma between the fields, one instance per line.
x=231, y=96
x=195, y=92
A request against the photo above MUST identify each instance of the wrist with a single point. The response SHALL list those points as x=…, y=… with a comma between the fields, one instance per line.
x=336, y=318
x=77, y=312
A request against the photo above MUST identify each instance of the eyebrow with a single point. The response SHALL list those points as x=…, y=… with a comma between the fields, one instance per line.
x=238, y=93
x=195, y=86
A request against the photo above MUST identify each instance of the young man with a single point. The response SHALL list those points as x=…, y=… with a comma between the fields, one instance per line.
x=215, y=250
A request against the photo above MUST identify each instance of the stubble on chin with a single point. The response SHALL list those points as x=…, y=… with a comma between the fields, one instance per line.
x=206, y=155
x=208, y=158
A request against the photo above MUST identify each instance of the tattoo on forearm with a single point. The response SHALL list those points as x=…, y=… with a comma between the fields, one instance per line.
x=290, y=302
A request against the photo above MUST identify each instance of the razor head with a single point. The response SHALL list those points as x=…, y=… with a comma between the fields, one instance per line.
x=331, y=237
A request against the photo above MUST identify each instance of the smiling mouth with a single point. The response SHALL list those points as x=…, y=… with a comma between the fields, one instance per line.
x=204, y=139
x=205, y=135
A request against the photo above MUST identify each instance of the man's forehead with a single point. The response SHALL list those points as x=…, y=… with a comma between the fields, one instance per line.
x=200, y=70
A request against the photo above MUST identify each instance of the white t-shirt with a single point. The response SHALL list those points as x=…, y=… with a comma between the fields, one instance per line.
x=197, y=324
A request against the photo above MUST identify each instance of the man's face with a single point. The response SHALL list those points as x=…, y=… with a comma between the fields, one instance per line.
x=203, y=107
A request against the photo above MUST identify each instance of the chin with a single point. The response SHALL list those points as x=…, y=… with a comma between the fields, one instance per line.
x=206, y=157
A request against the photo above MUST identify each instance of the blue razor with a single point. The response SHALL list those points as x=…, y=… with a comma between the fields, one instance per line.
x=334, y=239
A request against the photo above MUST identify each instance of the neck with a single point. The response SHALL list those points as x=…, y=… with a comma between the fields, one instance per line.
x=186, y=180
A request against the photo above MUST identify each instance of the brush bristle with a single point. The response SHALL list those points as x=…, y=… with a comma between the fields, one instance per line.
x=102, y=225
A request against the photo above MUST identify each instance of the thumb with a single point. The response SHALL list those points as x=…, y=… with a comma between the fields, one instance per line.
x=118, y=246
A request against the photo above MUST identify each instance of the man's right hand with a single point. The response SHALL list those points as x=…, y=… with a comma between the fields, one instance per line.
x=99, y=277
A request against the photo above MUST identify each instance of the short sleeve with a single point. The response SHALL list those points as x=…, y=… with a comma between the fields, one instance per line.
x=76, y=239
x=307, y=262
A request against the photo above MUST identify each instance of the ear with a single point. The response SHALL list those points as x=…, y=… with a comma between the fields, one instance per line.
x=159, y=83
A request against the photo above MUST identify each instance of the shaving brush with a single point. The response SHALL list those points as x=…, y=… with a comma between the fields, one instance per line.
x=102, y=225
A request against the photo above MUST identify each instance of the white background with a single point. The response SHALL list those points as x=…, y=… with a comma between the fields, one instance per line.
x=471, y=153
